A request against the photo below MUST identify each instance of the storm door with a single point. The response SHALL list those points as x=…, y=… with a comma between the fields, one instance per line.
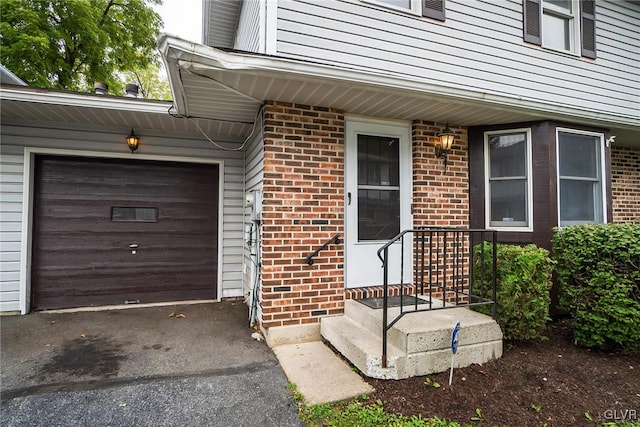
x=378, y=198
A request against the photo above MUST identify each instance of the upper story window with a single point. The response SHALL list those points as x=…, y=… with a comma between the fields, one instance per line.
x=429, y=8
x=403, y=4
x=559, y=25
x=580, y=177
x=563, y=25
x=508, y=179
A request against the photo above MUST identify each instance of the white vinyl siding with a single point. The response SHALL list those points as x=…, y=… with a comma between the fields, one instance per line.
x=105, y=142
x=11, y=185
x=478, y=48
x=219, y=23
x=254, y=178
x=250, y=27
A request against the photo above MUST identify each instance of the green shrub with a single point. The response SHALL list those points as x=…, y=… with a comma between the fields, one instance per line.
x=598, y=270
x=523, y=281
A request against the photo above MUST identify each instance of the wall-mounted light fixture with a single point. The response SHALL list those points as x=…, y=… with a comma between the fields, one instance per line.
x=444, y=143
x=132, y=141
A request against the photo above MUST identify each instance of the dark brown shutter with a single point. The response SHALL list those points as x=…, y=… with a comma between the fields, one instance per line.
x=532, y=25
x=433, y=9
x=588, y=28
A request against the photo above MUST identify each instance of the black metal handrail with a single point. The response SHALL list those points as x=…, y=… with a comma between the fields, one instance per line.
x=335, y=239
x=443, y=261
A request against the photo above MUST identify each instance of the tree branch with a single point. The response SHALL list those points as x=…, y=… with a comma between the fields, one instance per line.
x=106, y=10
x=142, y=89
x=53, y=18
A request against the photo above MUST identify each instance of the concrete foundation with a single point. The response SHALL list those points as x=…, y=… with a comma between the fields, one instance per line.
x=284, y=335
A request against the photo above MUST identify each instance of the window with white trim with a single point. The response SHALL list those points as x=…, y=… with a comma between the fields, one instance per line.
x=580, y=177
x=428, y=8
x=508, y=179
x=562, y=25
x=559, y=24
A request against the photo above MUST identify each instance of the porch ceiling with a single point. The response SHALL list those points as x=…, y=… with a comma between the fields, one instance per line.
x=231, y=86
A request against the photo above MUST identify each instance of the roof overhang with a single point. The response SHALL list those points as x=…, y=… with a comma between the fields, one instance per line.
x=38, y=107
x=78, y=99
x=219, y=85
x=7, y=77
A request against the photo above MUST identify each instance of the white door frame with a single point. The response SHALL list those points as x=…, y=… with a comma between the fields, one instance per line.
x=362, y=266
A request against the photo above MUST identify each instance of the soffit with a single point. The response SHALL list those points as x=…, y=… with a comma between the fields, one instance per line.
x=50, y=108
x=242, y=93
x=231, y=86
x=237, y=96
x=220, y=20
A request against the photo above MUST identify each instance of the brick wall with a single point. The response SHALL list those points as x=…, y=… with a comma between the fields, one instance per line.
x=303, y=207
x=625, y=184
x=440, y=197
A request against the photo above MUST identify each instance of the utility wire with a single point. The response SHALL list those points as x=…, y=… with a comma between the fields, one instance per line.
x=216, y=144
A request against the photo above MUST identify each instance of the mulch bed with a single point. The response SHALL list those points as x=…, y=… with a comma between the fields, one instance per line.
x=549, y=382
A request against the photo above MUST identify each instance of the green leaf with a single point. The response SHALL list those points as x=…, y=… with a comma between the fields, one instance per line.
x=523, y=283
x=71, y=44
x=598, y=273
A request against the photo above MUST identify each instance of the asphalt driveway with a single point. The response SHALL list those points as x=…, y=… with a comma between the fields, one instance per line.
x=191, y=365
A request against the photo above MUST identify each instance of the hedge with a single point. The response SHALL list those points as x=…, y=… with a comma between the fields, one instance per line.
x=523, y=282
x=598, y=271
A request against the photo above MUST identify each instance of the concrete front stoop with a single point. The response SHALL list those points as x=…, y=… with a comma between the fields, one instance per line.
x=418, y=344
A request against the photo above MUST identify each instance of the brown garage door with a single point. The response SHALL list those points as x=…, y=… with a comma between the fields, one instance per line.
x=110, y=231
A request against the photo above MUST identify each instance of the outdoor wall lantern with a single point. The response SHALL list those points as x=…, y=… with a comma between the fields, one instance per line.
x=445, y=142
x=132, y=141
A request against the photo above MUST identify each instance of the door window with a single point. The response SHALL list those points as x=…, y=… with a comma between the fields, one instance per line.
x=378, y=187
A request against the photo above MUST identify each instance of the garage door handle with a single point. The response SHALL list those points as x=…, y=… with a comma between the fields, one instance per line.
x=133, y=246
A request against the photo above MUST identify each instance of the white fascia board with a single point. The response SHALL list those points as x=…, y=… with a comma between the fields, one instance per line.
x=173, y=71
x=43, y=96
x=191, y=56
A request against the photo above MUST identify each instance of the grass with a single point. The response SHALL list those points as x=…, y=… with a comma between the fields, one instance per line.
x=363, y=411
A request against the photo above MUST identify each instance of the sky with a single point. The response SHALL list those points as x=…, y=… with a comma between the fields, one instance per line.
x=182, y=18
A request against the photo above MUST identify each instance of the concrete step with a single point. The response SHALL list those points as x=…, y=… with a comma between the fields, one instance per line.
x=431, y=330
x=426, y=330
x=371, y=318
x=418, y=344
x=360, y=346
x=426, y=340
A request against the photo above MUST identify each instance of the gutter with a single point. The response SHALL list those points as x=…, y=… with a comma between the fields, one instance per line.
x=46, y=96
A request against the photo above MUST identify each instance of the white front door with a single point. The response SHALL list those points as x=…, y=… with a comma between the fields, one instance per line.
x=378, y=205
